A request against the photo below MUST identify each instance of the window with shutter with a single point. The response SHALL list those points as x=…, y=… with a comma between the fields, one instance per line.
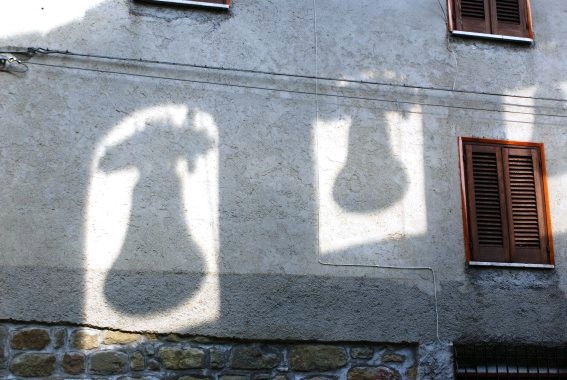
x=506, y=216
x=222, y=4
x=497, y=19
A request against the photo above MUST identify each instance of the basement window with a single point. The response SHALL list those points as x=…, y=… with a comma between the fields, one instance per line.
x=508, y=20
x=501, y=361
x=218, y=4
x=505, y=207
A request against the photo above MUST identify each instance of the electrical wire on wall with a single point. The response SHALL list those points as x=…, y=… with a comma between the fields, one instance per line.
x=319, y=94
x=318, y=181
x=33, y=51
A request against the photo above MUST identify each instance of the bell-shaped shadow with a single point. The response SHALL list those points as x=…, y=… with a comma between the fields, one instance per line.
x=158, y=238
x=372, y=178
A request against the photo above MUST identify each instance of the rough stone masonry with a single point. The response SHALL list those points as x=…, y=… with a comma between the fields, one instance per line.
x=76, y=352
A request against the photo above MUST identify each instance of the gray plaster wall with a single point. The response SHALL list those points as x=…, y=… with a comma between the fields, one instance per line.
x=166, y=204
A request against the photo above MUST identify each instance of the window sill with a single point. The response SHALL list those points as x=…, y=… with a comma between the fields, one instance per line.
x=192, y=2
x=510, y=265
x=492, y=36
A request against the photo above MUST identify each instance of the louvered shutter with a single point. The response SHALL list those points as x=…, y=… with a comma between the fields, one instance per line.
x=506, y=206
x=525, y=204
x=487, y=203
x=473, y=15
x=509, y=18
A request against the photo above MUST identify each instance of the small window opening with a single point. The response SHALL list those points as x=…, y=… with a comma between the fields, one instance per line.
x=502, y=361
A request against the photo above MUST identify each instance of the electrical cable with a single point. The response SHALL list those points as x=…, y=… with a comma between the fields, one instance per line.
x=445, y=17
x=318, y=182
x=46, y=51
x=275, y=89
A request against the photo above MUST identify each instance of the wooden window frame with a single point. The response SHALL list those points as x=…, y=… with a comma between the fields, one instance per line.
x=462, y=141
x=455, y=31
x=220, y=4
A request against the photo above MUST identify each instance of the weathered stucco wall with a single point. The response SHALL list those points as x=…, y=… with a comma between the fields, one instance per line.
x=147, y=204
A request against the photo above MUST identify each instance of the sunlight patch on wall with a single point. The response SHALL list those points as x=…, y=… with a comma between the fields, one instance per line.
x=556, y=185
x=106, y=228
x=564, y=89
x=557, y=203
x=385, y=74
x=40, y=16
x=201, y=183
x=367, y=228
x=519, y=127
x=152, y=214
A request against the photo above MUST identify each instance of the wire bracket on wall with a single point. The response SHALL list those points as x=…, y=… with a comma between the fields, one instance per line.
x=11, y=64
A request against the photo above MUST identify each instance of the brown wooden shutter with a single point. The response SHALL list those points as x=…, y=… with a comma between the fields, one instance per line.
x=473, y=15
x=509, y=18
x=499, y=17
x=525, y=204
x=487, y=203
x=507, y=217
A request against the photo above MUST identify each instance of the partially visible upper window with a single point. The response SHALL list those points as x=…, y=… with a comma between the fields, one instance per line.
x=222, y=4
x=505, y=209
x=496, y=19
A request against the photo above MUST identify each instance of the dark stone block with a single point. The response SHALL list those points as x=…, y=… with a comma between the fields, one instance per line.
x=317, y=357
x=31, y=339
x=33, y=365
x=108, y=363
x=372, y=373
x=73, y=363
x=254, y=356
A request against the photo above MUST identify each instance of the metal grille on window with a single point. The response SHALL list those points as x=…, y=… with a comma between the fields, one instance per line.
x=501, y=361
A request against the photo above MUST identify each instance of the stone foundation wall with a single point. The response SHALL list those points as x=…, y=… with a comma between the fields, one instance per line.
x=71, y=352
